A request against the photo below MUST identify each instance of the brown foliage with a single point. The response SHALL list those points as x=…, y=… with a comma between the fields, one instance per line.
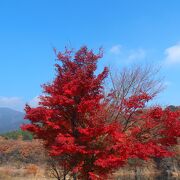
x=21, y=151
x=32, y=169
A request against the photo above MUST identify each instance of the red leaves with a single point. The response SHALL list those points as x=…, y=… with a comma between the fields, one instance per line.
x=65, y=139
x=156, y=113
x=73, y=120
x=111, y=160
x=137, y=101
x=93, y=176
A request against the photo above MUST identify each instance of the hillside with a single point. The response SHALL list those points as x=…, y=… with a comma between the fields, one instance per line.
x=10, y=119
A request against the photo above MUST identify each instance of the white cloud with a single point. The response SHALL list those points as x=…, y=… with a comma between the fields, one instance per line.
x=124, y=55
x=12, y=102
x=173, y=54
x=116, y=49
x=137, y=54
x=34, y=102
x=167, y=83
x=17, y=103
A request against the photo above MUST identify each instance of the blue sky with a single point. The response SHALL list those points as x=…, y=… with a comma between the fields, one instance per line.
x=130, y=32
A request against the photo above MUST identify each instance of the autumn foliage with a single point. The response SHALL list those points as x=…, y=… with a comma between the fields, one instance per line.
x=90, y=134
x=21, y=152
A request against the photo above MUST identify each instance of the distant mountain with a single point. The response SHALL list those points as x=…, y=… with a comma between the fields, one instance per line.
x=10, y=119
x=174, y=108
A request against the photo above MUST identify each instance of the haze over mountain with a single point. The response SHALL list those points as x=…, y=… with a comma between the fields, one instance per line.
x=10, y=119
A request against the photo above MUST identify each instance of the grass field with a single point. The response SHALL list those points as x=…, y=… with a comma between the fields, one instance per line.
x=26, y=160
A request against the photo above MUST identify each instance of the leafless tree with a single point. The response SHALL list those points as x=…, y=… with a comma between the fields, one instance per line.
x=135, y=79
x=60, y=173
x=129, y=82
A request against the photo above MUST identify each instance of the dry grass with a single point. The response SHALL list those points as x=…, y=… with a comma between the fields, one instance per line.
x=26, y=160
x=147, y=170
x=34, y=172
x=30, y=172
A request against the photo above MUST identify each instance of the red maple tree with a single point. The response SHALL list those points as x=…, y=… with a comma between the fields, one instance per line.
x=88, y=134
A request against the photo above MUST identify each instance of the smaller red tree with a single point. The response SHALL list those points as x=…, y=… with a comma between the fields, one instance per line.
x=73, y=119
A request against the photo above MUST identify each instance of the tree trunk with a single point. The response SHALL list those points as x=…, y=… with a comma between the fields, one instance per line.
x=74, y=177
x=64, y=177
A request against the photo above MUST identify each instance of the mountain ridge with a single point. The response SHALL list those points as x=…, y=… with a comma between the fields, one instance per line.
x=10, y=119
